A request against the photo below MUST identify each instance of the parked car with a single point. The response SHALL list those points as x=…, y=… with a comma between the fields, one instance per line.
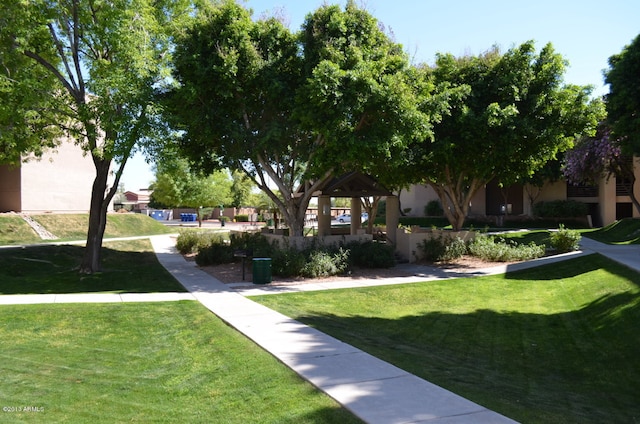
x=346, y=218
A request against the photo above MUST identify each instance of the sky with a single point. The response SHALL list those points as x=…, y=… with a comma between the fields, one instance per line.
x=586, y=33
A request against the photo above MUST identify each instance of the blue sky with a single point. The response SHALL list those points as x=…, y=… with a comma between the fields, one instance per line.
x=586, y=33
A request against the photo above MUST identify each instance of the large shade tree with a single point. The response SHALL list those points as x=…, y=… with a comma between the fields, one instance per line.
x=510, y=113
x=623, y=100
x=291, y=110
x=102, y=60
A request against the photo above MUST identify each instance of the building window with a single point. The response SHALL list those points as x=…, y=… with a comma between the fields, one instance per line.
x=582, y=191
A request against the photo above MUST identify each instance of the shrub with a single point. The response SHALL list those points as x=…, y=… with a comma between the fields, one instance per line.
x=287, y=262
x=242, y=218
x=371, y=254
x=457, y=248
x=323, y=263
x=433, y=208
x=256, y=242
x=499, y=250
x=565, y=240
x=215, y=253
x=560, y=209
x=193, y=241
x=442, y=248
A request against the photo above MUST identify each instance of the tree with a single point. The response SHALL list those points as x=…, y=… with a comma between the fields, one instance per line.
x=623, y=100
x=102, y=61
x=289, y=110
x=549, y=173
x=509, y=115
x=241, y=189
x=177, y=185
x=601, y=156
x=28, y=102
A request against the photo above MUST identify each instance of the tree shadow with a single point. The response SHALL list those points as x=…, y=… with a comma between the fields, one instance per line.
x=576, y=366
x=54, y=269
x=574, y=267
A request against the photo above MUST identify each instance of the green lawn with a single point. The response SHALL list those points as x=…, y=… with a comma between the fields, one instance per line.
x=171, y=362
x=554, y=344
x=74, y=226
x=625, y=231
x=129, y=267
x=13, y=229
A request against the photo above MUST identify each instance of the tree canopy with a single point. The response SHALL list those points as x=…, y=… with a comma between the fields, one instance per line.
x=623, y=100
x=510, y=113
x=291, y=109
x=597, y=157
x=90, y=69
x=177, y=185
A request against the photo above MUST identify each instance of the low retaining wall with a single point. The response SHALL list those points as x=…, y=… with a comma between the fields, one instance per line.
x=407, y=241
x=301, y=242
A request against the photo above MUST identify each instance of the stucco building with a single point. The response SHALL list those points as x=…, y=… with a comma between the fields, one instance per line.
x=58, y=182
x=607, y=202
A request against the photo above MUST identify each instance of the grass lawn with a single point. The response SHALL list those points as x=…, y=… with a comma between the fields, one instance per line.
x=14, y=230
x=129, y=267
x=171, y=362
x=625, y=231
x=554, y=344
x=74, y=226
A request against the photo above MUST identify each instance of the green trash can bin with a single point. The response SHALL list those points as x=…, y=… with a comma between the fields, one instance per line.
x=261, y=270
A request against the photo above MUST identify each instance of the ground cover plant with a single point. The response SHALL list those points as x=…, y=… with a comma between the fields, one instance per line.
x=146, y=362
x=129, y=267
x=554, y=343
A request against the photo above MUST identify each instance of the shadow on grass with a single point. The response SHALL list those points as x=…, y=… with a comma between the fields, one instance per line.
x=133, y=268
x=577, y=366
x=573, y=268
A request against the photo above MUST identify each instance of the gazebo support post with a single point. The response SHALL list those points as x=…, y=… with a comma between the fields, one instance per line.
x=356, y=215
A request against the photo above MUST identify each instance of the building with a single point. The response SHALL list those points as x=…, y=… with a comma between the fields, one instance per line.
x=137, y=201
x=58, y=182
x=607, y=202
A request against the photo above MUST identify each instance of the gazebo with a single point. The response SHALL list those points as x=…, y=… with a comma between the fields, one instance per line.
x=355, y=185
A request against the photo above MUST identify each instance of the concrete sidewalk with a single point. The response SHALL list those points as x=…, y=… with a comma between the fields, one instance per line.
x=372, y=389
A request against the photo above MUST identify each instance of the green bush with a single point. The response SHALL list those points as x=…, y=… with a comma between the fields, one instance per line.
x=255, y=242
x=371, y=254
x=215, y=253
x=495, y=249
x=442, y=248
x=433, y=208
x=242, y=218
x=560, y=209
x=192, y=241
x=287, y=262
x=324, y=263
x=457, y=248
x=565, y=240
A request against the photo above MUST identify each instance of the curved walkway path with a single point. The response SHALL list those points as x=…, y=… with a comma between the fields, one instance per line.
x=372, y=389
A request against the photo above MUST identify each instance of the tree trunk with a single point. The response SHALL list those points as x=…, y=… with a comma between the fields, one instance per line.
x=455, y=201
x=92, y=259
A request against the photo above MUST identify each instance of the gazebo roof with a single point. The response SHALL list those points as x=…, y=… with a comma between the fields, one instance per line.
x=352, y=184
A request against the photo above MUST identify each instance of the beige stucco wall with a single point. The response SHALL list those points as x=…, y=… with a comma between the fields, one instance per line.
x=59, y=181
x=418, y=196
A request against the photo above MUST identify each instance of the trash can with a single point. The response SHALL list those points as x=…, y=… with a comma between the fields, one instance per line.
x=261, y=270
